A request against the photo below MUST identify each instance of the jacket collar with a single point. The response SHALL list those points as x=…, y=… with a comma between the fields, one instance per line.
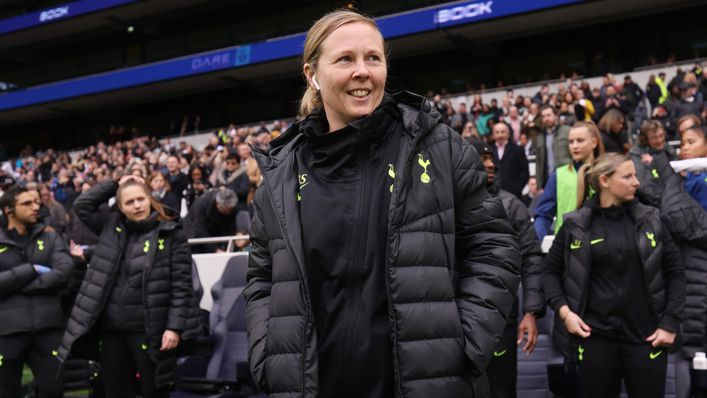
x=279, y=168
x=36, y=229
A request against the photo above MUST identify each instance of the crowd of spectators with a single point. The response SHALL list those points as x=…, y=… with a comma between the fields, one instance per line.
x=517, y=127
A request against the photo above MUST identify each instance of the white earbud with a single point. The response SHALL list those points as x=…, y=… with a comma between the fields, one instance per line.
x=316, y=84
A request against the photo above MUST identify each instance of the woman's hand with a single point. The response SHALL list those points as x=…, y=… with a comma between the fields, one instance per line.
x=170, y=339
x=661, y=338
x=574, y=323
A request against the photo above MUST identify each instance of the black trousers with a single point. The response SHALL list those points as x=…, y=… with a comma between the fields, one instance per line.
x=502, y=371
x=604, y=362
x=36, y=350
x=127, y=368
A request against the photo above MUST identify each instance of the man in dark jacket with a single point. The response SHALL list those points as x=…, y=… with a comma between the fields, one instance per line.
x=34, y=266
x=502, y=371
x=213, y=214
x=511, y=160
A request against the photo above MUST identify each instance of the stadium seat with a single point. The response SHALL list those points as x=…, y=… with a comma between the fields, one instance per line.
x=226, y=372
x=532, y=369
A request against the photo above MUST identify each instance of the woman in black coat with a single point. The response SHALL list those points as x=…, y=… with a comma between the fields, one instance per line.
x=137, y=292
x=380, y=265
x=616, y=282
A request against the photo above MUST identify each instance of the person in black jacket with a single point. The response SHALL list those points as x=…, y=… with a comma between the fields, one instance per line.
x=380, y=265
x=212, y=215
x=616, y=282
x=34, y=266
x=162, y=192
x=137, y=291
x=511, y=160
x=502, y=371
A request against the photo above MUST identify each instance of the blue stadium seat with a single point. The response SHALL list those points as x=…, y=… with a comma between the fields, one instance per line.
x=226, y=372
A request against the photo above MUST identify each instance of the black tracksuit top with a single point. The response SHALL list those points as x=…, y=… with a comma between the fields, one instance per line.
x=344, y=193
x=617, y=300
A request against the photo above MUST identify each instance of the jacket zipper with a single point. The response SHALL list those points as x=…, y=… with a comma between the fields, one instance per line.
x=355, y=276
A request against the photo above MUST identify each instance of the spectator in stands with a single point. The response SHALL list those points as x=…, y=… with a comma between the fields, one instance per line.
x=502, y=371
x=653, y=91
x=516, y=122
x=651, y=155
x=560, y=195
x=632, y=94
x=198, y=184
x=213, y=214
x=510, y=159
x=235, y=178
x=618, y=307
x=612, y=101
x=54, y=215
x=34, y=266
x=460, y=118
x=688, y=103
x=694, y=145
x=543, y=96
x=612, y=131
x=686, y=122
x=177, y=180
x=356, y=157
x=162, y=192
x=251, y=167
x=530, y=199
x=551, y=149
x=137, y=292
x=77, y=231
x=63, y=188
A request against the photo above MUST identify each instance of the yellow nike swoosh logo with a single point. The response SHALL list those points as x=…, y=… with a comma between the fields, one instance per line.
x=499, y=353
x=655, y=355
x=3, y=249
x=595, y=241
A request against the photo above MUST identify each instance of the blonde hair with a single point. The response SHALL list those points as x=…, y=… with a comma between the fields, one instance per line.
x=320, y=31
x=594, y=132
x=604, y=165
x=609, y=119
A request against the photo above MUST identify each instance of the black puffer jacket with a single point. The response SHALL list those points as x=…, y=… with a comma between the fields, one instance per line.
x=166, y=282
x=532, y=264
x=452, y=267
x=687, y=222
x=28, y=301
x=568, y=269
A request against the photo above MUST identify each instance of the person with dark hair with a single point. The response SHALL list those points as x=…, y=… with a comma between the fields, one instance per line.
x=615, y=280
x=34, y=266
x=380, y=265
x=235, y=178
x=502, y=371
x=162, y=191
x=198, y=184
x=177, y=180
x=511, y=160
x=137, y=292
x=551, y=149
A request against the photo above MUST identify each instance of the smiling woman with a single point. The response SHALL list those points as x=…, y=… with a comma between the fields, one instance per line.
x=367, y=256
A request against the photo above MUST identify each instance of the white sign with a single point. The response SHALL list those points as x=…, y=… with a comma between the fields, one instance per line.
x=464, y=12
